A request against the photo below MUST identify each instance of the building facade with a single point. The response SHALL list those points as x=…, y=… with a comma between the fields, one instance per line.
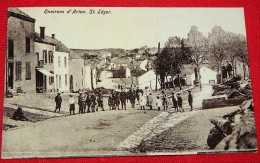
x=44, y=52
x=20, y=56
x=61, y=71
x=90, y=74
x=76, y=71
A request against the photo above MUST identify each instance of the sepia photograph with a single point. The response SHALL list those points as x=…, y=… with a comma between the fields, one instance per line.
x=126, y=81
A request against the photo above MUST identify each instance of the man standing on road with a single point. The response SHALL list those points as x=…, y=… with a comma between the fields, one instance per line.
x=93, y=102
x=180, y=102
x=190, y=100
x=122, y=97
x=58, y=101
x=88, y=101
x=100, y=101
x=81, y=102
x=131, y=95
x=137, y=94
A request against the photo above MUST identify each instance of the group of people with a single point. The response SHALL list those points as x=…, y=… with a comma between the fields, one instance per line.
x=91, y=101
x=176, y=101
x=87, y=102
x=227, y=71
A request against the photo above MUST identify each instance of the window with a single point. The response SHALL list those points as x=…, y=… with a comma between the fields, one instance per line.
x=10, y=49
x=50, y=57
x=82, y=71
x=59, y=61
x=66, y=80
x=82, y=82
x=27, y=44
x=28, y=71
x=45, y=56
x=51, y=80
x=65, y=62
x=18, y=70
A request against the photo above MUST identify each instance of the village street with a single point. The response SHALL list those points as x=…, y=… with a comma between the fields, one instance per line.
x=113, y=132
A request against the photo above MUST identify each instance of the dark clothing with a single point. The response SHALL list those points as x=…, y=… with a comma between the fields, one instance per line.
x=174, y=102
x=58, y=101
x=81, y=102
x=190, y=100
x=137, y=93
x=93, y=102
x=131, y=96
x=18, y=115
x=224, y=72
x=100, y=102
x=123, y=97
x=179, y=101
x=88, y=102
x=110, y=102
x=229, y=70
x=72, y=108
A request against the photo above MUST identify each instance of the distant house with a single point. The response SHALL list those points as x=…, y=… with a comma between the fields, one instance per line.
x=20, y=56
x=148, y=80
x=52, y=71
x=76, y=71
x=122, y=72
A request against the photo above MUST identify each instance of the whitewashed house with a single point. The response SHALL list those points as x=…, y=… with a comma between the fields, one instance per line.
x=208, y=76
x=44, y=51
x=61, y=71
x=90, y=75
x=148, y=80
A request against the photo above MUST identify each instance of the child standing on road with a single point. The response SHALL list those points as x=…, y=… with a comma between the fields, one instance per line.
x=180, y=102
x=150, y=100
x=159, y=103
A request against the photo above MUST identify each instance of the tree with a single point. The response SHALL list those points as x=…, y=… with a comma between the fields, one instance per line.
x=171, y=60
x=198, y=47
x=217, y=40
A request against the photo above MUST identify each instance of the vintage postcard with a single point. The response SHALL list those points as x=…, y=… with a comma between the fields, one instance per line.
x=90, y=82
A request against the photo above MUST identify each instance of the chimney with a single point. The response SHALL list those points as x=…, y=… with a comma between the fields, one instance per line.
x=42, y=32
x=158, y=47
x=53, y=36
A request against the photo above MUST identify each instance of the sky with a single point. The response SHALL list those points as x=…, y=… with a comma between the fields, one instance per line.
x=130, y=28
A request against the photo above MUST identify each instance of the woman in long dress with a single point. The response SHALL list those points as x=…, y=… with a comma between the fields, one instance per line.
x=142, y=100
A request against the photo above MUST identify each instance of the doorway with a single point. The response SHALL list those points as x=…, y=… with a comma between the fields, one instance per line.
x=10, y=79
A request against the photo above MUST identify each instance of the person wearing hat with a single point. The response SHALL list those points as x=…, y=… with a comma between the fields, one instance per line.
x=190, y=100
x=58, y=101
x=180, y=102
x=72, y=104
x=165, y=101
